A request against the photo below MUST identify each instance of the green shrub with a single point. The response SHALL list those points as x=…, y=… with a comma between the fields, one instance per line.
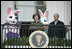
x=16, y=41
x=59, y=42
x=25, y=41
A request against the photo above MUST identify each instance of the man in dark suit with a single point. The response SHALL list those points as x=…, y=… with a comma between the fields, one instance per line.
x=56, y=28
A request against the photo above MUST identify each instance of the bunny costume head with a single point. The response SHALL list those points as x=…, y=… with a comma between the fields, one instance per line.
x=43, y=17
x=12, y=19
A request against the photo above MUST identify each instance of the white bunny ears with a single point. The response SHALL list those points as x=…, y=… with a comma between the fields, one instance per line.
x=9, y=11
x=45, y=13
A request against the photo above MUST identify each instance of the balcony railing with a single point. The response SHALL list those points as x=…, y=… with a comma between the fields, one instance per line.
x=56, y=38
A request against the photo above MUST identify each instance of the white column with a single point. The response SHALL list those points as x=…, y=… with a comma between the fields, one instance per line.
x=67, y=12
x=4, y=14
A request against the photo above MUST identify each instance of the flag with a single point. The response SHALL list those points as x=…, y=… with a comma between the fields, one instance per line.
x=15, y=8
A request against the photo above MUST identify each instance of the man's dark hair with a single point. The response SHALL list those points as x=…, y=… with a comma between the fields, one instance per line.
x=36, y=15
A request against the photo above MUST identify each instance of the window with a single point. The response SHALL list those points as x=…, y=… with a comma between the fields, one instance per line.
x=27, y=9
